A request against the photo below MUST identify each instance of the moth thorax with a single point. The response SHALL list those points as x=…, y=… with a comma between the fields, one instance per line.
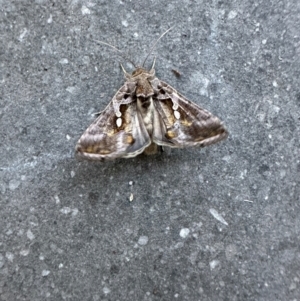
x=144, y=89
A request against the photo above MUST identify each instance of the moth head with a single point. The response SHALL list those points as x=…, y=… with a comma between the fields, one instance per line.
x=138, y=73
x=140, y=70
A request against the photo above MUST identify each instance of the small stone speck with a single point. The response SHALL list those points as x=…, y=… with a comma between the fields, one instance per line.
x=65, y=210
x=13, y=184
x=23, y=34
x=10, y=256
x=106, y=290
x=30, y=235
x=75, y=212
x=57, y=200
x=213, y=264
x=71, y=89
x=9, y=232
x=230, y=252
x=72, y=173
x=143, y=240
x=217, y=216
x=50, y=19
x=125, y=23
x=64, y=61
x=86, y=60
x=45, y=273
x=232, y=14
x=85, y=10
x=24, y=252
x=184, y=232
x=131, y=197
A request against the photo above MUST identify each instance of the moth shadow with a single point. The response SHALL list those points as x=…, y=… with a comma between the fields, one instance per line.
x=140, y=167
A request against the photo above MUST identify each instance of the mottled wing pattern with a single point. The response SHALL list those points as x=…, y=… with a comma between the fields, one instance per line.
x=179, y=122
x=104, y=139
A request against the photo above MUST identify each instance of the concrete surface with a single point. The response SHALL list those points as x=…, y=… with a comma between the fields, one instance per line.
x=220, y=223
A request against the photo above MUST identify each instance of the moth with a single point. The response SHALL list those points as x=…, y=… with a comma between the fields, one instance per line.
x=144, y=114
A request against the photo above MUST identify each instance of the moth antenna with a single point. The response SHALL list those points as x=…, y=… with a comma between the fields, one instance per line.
x=156, y=43
x=118, y=50
x=153, y=64
x=125, y=72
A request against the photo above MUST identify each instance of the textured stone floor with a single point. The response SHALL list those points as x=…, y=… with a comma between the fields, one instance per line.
x=218, y=223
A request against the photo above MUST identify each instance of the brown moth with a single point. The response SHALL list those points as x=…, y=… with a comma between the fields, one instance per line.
x=144, y=113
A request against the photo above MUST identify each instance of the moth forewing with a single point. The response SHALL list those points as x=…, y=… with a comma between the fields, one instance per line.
x=186, y=124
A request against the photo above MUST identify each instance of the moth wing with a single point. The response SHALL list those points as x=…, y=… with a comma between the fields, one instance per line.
x=110, y=137
x=179, y=122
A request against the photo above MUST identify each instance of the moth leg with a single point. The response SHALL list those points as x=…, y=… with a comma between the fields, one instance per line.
x=98, y=113
x=165, y=149
x=151, y=149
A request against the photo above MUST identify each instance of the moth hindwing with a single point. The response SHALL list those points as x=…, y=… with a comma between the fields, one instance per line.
x=144, y=113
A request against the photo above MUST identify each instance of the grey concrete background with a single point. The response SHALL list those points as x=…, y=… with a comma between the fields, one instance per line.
x=220, y=223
